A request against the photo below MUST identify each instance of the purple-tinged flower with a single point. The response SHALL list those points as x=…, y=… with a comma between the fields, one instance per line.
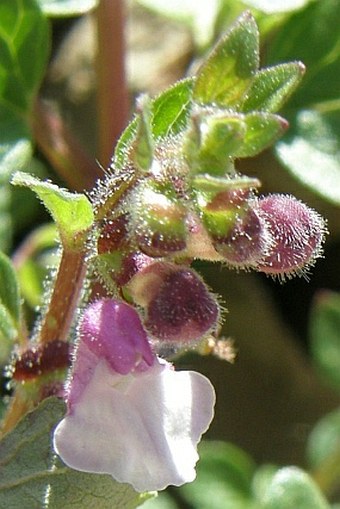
x=130, y=414
x=298, y=234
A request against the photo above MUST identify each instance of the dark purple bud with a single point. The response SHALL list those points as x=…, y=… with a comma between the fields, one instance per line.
x=178, y=304
x=298, y=234
x=113, y=235
x=129, y=266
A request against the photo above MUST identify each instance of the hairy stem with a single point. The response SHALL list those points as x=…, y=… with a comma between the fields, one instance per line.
x=65, y=295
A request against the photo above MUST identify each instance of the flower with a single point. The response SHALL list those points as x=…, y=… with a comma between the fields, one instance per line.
x=130, y=414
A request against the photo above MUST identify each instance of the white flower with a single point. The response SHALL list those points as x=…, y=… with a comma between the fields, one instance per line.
x=141, y=427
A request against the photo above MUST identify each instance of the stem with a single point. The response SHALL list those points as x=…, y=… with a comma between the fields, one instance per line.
x=64, y=299
x=62, y=149
x=112, y=92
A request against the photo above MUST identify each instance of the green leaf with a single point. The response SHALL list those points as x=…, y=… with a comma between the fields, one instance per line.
x=142, y=146
x=199, y=16
x=24, y=48
x=124, y=143
x=15, y=152
x=9, y=307
x=221, y=138
x=312, y=35
x=72, y=212
x=271, y=87
x=60, y=8
x=210, y=184
x=8, y=333
x=32, y=273
x=324, y=443
x=262, y=479
x=171, y=109
x=163, y=500
x=311, y=152
x=325, y=335
x=223, y=481
x=169, y=115
x=32, y=477
x=262, y=129
x=9, y=290
x=292, y=488
x=273, y=6
x=227, y=72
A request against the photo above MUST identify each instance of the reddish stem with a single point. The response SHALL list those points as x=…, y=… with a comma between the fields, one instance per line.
x=62, y=149
x=112, y=93
x=64, y=299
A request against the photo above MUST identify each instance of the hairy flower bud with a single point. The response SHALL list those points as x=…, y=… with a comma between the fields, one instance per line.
x=113, y=235
x=238, y=233
x=159, y=222
x=298, y=233
x=178, y=304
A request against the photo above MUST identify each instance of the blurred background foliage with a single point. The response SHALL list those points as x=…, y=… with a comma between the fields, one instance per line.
x=279, y=402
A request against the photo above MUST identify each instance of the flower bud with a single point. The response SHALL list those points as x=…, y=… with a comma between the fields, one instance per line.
x=178, y=304
x=159, y=222
x=298, y=233
x=237, y=231
x=113, y=235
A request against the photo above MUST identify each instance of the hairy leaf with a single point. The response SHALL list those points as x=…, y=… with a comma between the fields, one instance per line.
x=32, y=477
x=227, y=72
x=72, y=212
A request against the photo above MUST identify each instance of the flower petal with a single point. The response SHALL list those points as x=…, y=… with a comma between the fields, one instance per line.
x=141, y=428
x=113, y=330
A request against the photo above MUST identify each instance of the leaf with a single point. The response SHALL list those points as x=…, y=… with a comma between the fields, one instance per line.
x=325, y=335
x=272, y=6
x=60, y=8
x=24, y=47
x=324, y=442
x=9, y=290
x=9, y=307
x=271, y=87
x=142, y=146
x=262, y=129
x=124, y=143
x=311, y=152
x=200, y=16
x=169, y=114
x=32, y=273
x=262, y=479
x=292, y=488
x=162, y=501
x=32, y=477
x=223, y=481
x=15, y=152
x=210, y=144
x=228, y=70
x=72, y=212
x=312, y=35
x=171, y=109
